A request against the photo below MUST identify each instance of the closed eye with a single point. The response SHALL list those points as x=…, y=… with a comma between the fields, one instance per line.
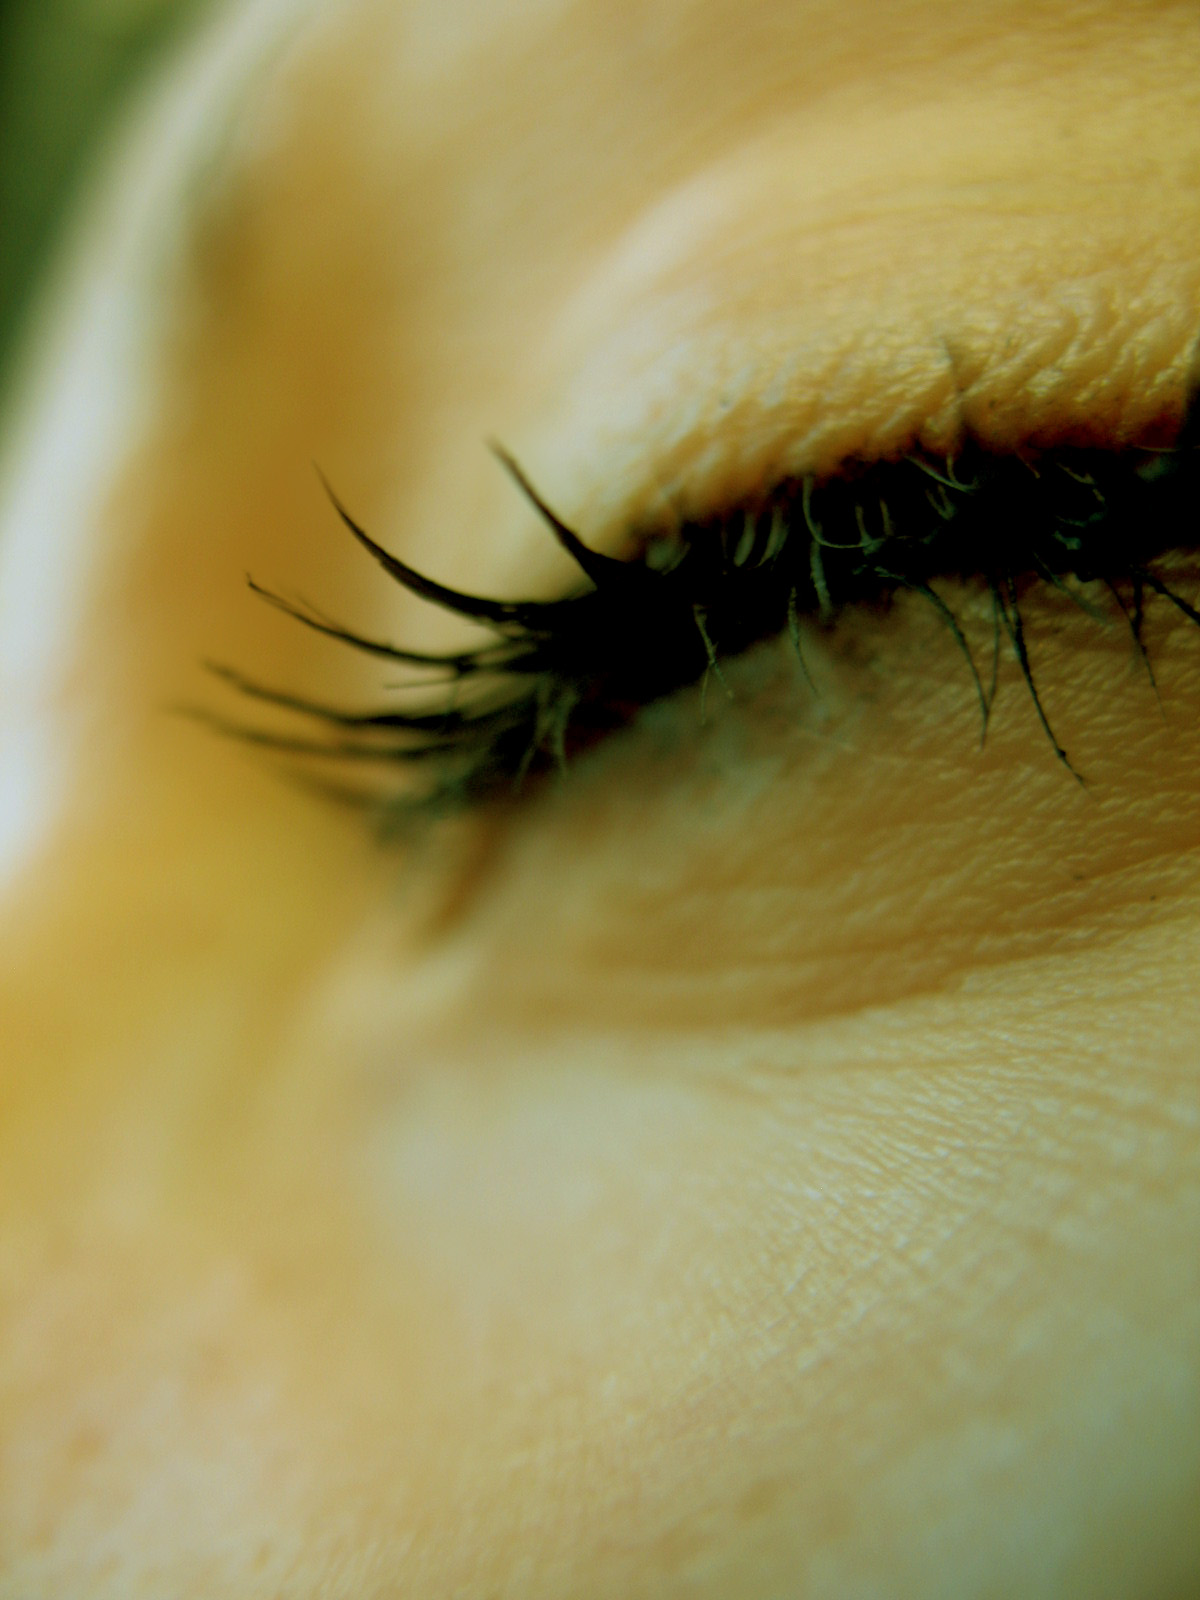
x=559, y=675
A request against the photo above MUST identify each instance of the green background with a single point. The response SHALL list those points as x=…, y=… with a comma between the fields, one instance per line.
x=65, y=68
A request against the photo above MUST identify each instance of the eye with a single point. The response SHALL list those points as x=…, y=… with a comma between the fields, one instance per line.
x=558, y=675
x=750, y=337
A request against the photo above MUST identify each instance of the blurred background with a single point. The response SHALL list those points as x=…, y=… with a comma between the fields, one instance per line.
x=66, y=69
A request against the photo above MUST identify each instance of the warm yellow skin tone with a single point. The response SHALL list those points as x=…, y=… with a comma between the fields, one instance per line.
x=771, y=1165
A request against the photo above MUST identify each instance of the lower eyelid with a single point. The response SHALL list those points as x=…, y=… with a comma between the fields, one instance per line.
x=802, y=855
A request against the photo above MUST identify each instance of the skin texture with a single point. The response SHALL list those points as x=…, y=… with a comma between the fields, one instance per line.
x=768, y=1164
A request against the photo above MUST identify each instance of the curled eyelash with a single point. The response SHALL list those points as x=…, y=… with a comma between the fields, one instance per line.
x=558, y=675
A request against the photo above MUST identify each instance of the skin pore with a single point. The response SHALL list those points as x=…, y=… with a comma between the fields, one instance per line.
x=767, y=1163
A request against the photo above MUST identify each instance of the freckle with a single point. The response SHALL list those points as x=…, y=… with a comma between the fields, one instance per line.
x=677, y=1546
x=211, y=1366
x=760, y=1498
x=87, y=1443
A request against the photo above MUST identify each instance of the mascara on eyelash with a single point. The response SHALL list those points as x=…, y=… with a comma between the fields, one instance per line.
x=561, y=674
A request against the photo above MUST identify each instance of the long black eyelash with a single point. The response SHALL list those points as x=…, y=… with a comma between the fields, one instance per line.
x=560, y=674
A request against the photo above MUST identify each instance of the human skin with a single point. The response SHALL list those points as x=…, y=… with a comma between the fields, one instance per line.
x=766, y=1163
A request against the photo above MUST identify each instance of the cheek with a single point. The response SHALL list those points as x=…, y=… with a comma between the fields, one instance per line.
x=826, y=1106
x=898, y=1254
x=763, y=1297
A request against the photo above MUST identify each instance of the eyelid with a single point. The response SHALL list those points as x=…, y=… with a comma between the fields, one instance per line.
x=580, y=668
x=747, y=329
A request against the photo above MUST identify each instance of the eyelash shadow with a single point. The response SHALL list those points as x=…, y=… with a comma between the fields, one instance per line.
x=559, y=675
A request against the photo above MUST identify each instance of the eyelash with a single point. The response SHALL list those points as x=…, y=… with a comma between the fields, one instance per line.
x=564, y=673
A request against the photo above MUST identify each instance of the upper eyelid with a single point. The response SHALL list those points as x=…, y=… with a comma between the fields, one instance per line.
x=722, y=343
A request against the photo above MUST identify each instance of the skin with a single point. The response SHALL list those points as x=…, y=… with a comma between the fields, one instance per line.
x=766, y=1164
